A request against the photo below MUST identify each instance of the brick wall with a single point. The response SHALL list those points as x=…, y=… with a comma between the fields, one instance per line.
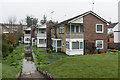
x=114, y=46
x=48, y=33
x=90, y=34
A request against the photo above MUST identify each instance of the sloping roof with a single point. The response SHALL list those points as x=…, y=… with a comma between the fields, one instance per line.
x=29, y=28
x=42, y=26
x=112, y=25
x=6, y=24
x=84, y=14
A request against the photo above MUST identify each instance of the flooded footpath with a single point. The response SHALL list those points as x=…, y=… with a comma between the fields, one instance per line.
x=28, y=66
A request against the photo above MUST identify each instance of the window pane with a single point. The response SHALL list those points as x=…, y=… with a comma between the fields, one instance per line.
x=58, y=43
x=75, y=45
x=81, y=45
x=77, y=28
x=61, y=29
x=72, y=28
x=41, y=41
x=68, y=28
x=67, y=45
x=99, y=44
x=81, y=27
x=41, y=30
x=99, y=27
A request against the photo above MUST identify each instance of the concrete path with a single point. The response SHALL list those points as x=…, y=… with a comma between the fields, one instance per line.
x=32, y=75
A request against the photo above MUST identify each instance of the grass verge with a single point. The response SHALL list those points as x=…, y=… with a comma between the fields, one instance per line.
x=42, y=58
x=12, y=64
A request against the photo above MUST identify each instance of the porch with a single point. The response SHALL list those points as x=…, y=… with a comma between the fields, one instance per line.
x=56, y=44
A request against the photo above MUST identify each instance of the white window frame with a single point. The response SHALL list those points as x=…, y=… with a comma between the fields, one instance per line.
x=79, y=46
x=61, y=29
x=67, y=43
x=97, y=42
x=102, y=28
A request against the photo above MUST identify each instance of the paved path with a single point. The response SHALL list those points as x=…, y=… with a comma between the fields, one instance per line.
x=29, y=71
x=28, y=66
x=32, y=75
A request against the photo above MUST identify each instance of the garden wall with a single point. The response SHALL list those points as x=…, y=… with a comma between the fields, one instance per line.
x=114, y=46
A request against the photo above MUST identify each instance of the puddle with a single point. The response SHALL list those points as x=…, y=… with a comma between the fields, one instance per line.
x=28, y=62
x=28, y=66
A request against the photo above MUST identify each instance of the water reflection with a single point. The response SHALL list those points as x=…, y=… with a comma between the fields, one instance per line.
x=28, y=62
x=28, y=66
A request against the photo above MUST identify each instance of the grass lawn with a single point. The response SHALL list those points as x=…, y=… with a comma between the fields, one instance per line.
x=9, y=71
x=0, y=71
x=86, y=66
x=43, y=58
x=12, y=64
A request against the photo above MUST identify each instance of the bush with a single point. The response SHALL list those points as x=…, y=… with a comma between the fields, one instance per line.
x=11, y=49
x=5, y=49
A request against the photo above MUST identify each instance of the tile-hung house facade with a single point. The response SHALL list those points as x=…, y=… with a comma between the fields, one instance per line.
x=85, y=33
x=41, y=36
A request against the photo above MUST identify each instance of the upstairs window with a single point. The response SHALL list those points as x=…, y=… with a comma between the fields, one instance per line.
x=81, y=27
x=99, y=28
x=27, y=32
x=72, y=28
x=61, y=29
x=77, y=28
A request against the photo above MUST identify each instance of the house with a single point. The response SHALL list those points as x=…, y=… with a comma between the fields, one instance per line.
x=27, y=35
x=44, y=34
x=82, y=34
x=111, y=29
x=11, y=28
x=117, y=30
x=30, y=35
x=41, y=35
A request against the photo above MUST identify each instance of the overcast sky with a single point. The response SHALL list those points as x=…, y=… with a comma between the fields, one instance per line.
x=63, y=9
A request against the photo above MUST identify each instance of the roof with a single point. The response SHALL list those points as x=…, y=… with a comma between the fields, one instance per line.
x=112, y=25
x=29, y=28
x=42, y=26
x=6, y=24
x=82, y=15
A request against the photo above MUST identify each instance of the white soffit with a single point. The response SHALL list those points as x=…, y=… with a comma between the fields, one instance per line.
x=77, y=20
x=42, y=26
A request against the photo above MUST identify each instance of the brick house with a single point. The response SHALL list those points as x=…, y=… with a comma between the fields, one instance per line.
x=43, y=34
x=85, y=33
x=30, y=35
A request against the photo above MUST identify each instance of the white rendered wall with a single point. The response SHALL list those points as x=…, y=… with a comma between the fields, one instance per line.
x=117, y=28
x=74, y=52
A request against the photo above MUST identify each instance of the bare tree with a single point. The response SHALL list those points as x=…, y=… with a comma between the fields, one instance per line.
x=11, y=21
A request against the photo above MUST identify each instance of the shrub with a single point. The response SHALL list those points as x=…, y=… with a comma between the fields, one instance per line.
x=5, y=49
x=11, y=49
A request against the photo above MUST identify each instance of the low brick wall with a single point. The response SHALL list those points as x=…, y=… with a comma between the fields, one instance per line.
x=48, y=75
x=114, y=46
